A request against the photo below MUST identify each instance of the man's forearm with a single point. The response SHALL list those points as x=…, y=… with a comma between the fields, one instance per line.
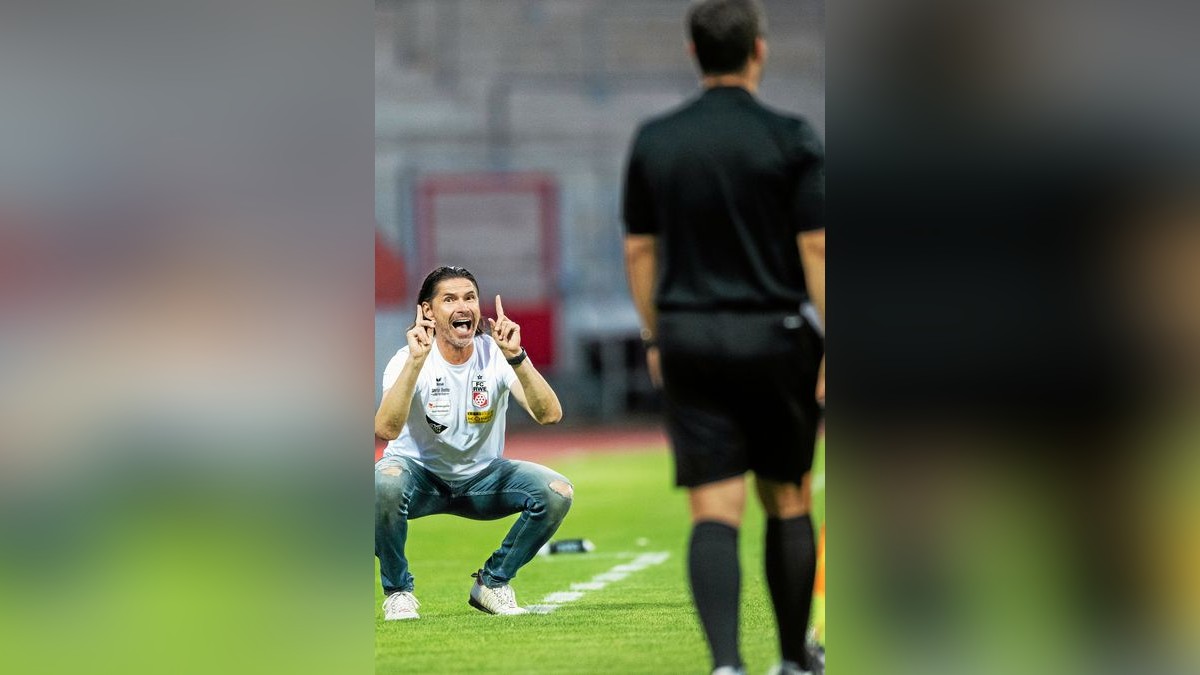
x=540, y=397
x=816, y=288
x=641, y=267
x=812, y=257
x=393, y=410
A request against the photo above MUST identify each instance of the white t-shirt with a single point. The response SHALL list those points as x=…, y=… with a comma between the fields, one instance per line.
x=456, y=421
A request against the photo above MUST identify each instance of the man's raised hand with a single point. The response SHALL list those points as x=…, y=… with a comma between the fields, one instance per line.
x=505, y=332
x=420, y=337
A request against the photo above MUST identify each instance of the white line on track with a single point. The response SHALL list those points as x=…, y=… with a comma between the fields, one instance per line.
x=557, y=599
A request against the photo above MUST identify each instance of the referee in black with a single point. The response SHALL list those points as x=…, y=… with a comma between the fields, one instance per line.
x=724, y=214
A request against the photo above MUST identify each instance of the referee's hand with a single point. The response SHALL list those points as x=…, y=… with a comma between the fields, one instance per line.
x=821, y=383
x=654, y=366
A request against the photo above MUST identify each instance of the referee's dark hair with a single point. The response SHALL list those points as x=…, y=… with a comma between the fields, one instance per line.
x=441, y=274
x=723, y=33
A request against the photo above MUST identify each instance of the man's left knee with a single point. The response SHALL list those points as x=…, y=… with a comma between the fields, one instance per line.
x=563, y=489
x=558, y=499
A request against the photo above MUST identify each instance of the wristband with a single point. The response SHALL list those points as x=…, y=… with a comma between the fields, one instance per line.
x=648, y=341
x=518, y=359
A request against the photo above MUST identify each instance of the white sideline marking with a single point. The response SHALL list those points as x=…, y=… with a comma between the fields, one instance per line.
x=570, y=559
x=653, y=558
x=609, y=577
x=557, y=599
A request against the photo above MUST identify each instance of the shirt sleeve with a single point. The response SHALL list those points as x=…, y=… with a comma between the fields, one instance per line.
x=508, y=374
x=392, y=372
x=637, y=209
x=808, y=212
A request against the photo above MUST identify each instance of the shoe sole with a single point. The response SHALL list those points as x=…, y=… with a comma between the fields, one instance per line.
x=404, y=618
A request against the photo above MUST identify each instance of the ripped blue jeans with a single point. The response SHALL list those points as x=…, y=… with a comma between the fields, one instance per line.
x=404, y=490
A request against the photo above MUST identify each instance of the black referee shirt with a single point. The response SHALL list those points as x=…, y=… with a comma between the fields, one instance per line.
x=726, y=184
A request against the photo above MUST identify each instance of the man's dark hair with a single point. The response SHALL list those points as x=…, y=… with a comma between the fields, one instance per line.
x=723, y=32
x=441, y=274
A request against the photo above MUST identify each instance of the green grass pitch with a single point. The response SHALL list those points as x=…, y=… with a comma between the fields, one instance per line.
x=625, y=504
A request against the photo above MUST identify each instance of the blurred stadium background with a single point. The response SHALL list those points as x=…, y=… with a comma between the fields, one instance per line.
x=501, y=128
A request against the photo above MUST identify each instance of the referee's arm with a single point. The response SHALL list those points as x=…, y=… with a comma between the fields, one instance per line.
x=641, y=241
x=810, y=218
x=812, y=255
x=640, y=261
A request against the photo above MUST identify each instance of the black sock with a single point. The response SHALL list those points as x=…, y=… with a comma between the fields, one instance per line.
x=716, y=580
x=791, y=568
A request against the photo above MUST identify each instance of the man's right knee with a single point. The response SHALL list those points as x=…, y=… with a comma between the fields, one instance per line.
x=391, y=485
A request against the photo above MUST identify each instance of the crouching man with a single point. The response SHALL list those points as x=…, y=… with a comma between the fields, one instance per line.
x=443, y=412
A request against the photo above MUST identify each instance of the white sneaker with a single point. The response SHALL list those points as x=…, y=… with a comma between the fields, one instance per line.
x=500, y=600
x=728, y=670
x=399, y=606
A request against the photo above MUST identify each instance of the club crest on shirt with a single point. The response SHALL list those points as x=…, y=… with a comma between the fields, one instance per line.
x=479, y=392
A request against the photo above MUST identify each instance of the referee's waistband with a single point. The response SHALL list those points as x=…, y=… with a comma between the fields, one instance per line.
x=805, y=309
x=734, y=309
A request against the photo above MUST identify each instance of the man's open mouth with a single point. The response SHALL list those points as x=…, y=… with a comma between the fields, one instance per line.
x=461, y=326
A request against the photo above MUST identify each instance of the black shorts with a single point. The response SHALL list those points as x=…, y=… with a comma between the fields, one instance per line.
x=740, y=396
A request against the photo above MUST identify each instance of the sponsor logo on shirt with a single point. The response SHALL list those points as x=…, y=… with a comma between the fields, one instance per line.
x=480, y=416
x=436, y=426
x=439, y=398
